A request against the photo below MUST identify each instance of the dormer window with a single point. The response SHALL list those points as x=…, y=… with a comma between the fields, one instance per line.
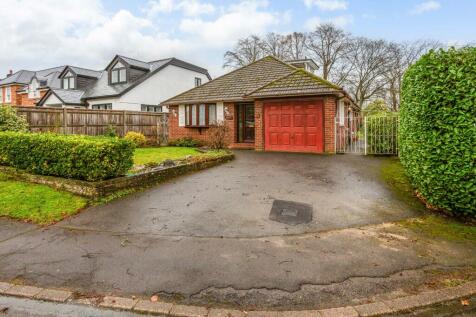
x=198, y=81
x=68, y=81
x=118, y=74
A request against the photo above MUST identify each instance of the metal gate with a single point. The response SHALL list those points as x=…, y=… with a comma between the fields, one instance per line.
x=377, y=134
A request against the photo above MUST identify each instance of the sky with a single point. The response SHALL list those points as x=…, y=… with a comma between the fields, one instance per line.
x=89, y=33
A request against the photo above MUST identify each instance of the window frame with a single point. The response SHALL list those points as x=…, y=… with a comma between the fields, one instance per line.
x=146, y=108
x=118, y=70
x=198, y=81
x=191, y=109
x=71, y=82
x=8, y=94
x=102, y=106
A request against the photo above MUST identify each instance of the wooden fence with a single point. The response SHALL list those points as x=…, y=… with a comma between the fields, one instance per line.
x=95, y=122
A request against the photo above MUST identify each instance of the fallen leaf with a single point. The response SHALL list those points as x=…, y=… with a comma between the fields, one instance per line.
x=465, y=302
x=154, y=298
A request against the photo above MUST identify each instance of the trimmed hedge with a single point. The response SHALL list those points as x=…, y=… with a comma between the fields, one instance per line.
x=438, y=129
x=70, y=156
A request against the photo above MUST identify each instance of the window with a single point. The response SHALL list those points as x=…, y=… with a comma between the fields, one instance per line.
x=104, y=106
x=200, y=115
x=118, y=74
x=150, y=108
x=198, y=81
x=1, y=95
x=341, y=112
x=68, y=83
x=33, y=91
x=8, y=94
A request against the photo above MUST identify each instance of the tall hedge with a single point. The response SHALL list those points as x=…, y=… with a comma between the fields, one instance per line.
x=70, y=156
x=438, y=128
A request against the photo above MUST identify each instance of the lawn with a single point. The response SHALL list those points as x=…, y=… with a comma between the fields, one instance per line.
x=159, y=154
x=36, y=203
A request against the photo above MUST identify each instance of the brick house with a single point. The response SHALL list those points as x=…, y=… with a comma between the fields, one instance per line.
x=268, y=105
x=26, y=88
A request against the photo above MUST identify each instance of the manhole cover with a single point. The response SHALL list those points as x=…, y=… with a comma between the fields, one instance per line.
x=290, y=212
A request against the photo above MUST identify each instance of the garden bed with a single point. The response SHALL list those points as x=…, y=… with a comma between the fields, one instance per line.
x=143, y=178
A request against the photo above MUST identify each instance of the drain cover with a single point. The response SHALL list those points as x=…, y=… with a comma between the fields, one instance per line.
x=290, y=212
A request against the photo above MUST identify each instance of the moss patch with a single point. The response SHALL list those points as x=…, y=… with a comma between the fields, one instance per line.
x=439, y=227
x=36, y=203
x=393, y=174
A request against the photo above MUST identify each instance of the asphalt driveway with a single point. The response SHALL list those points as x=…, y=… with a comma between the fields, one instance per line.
x=235, y=199
x=206, y=238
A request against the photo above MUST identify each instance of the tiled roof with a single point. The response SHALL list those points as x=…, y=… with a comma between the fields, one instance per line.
x=236, y=84
x=69, y=96
x=135, y=62
x=101, y=87
x=298, y=83
x=85, y=72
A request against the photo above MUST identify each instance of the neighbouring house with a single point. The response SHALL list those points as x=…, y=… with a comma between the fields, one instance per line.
x=125, y=84
x=25, y=87
x=268, y=105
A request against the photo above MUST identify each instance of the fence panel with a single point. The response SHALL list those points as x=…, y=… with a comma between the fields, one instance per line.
x=95, y=122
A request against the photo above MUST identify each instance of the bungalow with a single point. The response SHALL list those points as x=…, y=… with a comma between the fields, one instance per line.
x=125, y=84
x=268, y=105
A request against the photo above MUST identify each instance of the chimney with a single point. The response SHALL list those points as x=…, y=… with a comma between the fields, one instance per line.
x=10, y=72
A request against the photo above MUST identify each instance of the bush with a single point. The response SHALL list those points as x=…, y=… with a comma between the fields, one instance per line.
x=110, y=131
x=10, y=121
x=186, y=142
x=137, y=138
x=217, y=137
x=438, y=129
x=70, y=156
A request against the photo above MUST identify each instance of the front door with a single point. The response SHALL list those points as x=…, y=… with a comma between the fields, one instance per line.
x=246, y=122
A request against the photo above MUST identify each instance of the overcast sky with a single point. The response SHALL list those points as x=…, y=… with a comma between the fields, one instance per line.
x=38, y=34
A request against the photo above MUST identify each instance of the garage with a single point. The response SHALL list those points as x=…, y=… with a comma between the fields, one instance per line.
x=294, y=126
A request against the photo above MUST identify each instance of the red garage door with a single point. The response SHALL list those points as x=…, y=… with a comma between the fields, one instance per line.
x=294, y=126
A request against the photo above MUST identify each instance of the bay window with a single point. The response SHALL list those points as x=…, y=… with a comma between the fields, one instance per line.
x=201, y=115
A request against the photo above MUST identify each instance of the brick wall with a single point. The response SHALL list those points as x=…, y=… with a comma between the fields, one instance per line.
x=26, y=101
x=259, y=126
x=329, y=121
x=176, y=132
x=15, y=97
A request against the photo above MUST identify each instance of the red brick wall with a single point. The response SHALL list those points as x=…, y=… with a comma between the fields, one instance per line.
x=26, y=101
x=259, y=126
x=15, y=97
x=176, y=132
x=329, y=121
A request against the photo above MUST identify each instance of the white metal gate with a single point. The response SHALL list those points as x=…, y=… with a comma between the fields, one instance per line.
x=376, y=134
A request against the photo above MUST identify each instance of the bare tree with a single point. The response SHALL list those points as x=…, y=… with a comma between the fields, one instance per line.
x=328, y=46
x=296, y=43
x=402, y=55
x=276, y=45
x=246, y=51
x=370, y=61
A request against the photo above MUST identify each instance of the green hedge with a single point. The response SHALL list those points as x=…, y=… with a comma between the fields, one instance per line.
x=70, y=156
x=438, y=128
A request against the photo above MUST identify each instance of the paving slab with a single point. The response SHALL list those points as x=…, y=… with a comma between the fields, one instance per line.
x=215, y=312
x=118, y=302
x=23, y=291
x=339, y=312
x=188, y=311
x=146, y=306
x=54, y=295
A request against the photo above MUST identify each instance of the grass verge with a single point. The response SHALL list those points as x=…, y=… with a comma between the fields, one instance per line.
x=40, y=204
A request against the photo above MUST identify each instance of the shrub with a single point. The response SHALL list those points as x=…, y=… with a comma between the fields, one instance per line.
x=110, y=131
x=217, y=136
x=186, y=142
x=10, y=121
x=438, y=129
x=71, y=156
x=137, y=138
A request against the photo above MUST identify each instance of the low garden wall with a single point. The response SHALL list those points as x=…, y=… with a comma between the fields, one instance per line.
x=106, y=187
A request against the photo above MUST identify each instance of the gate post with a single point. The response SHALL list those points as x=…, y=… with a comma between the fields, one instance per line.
x=365, y=135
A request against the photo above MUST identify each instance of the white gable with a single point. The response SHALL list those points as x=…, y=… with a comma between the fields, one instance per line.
x=68, y=74
x=118, y=65
x=52, y=100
